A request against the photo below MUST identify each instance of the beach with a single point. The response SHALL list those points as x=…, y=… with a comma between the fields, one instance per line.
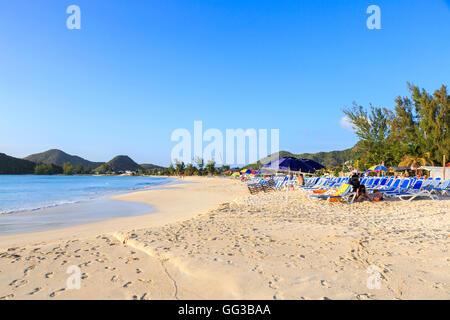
x=208, y=238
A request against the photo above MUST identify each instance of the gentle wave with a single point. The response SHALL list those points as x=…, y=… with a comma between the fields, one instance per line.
x=33, y=193
x=52, y=205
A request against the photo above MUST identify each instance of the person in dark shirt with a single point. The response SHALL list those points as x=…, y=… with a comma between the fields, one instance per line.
x=354, y=182
x=360, y=189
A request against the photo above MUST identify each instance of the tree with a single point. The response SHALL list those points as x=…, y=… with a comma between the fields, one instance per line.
x=417, y=131
x=200, y=164
x=68, y=168
x=179, y=167
x=416, y=161
x=79, y=169
x=211, y=166
x=47, y=169
x=171, y=170
x=104, y=168
x=373, y=131
x=190, y=169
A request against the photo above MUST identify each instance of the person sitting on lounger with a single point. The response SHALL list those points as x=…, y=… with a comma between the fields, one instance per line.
x=376, y=195
x=361, y=193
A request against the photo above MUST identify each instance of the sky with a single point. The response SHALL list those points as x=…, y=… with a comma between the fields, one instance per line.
x=138, y=70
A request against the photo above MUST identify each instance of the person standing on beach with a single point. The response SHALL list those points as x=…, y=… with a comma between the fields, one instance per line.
x=301, y=180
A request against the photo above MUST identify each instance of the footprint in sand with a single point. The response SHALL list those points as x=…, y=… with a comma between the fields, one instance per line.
x=363, y=296
x=35, y=290
x=18, y=283
x=49, y=275
x=145, y=296
x=85, y=264
x=9, y=296
x=126, y=285
x=110, y=268
x=145, y=280
x=115, y=278
x=325, y=284
x=27, y=270
x=57, y=292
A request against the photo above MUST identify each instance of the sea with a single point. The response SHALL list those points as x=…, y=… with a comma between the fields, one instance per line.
x=30, y=203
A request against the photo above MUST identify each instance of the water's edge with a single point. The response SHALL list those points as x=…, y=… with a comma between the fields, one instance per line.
x=76, y=213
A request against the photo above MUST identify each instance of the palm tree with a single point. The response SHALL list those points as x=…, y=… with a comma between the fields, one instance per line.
x=416, y=161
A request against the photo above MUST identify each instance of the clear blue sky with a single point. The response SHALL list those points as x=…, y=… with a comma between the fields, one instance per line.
x=137, y=70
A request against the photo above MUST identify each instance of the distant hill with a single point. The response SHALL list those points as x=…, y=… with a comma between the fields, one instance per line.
x=11, y=165
x=149, y=166
x=119, y=164
x=328, y=159
x=58, y=158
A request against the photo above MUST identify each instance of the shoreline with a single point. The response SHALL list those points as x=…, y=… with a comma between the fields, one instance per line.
x=115, y=224
x=108, y=194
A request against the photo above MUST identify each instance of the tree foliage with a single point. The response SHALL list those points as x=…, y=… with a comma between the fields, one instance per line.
x=416, y=132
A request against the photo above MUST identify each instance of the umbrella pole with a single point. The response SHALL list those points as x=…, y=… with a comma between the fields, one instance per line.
x=443, y=164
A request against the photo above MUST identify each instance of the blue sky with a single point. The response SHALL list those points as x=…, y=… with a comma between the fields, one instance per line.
x=137, y=70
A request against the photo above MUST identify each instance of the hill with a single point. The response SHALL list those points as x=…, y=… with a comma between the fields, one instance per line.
x=149, y=166
x=328, y=159
x=11, y=165
x=119, y=164
x=58, y=158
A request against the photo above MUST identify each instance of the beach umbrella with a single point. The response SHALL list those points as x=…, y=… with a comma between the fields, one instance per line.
x=290, y=164
x=316, y=165
x=246, y=171
x=378, y=168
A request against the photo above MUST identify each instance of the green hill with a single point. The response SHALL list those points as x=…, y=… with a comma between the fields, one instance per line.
x=119, y=164
x=149, y=166
x=11, y=165
x=58, y=158
x=328, y=159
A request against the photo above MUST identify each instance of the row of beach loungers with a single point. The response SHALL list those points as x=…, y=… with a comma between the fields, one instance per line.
x=339, y=188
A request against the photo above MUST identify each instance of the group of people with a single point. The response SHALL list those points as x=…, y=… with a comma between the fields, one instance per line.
x=361, y=192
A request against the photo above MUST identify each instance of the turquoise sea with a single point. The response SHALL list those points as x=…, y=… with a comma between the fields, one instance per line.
x=31, y=203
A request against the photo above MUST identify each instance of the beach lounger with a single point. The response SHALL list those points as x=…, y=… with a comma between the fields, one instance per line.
x=255, y=188
x=392, y=188
x=344, y=192
x=415, y=191
x=443, y=188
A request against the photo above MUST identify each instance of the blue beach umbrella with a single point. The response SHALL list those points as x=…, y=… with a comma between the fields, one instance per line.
x=316, y=165
x=290, y=164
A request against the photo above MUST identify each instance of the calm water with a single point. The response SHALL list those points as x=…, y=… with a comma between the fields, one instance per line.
x=29, y=192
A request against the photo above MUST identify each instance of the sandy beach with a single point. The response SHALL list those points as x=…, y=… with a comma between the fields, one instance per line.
x=210, y=239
